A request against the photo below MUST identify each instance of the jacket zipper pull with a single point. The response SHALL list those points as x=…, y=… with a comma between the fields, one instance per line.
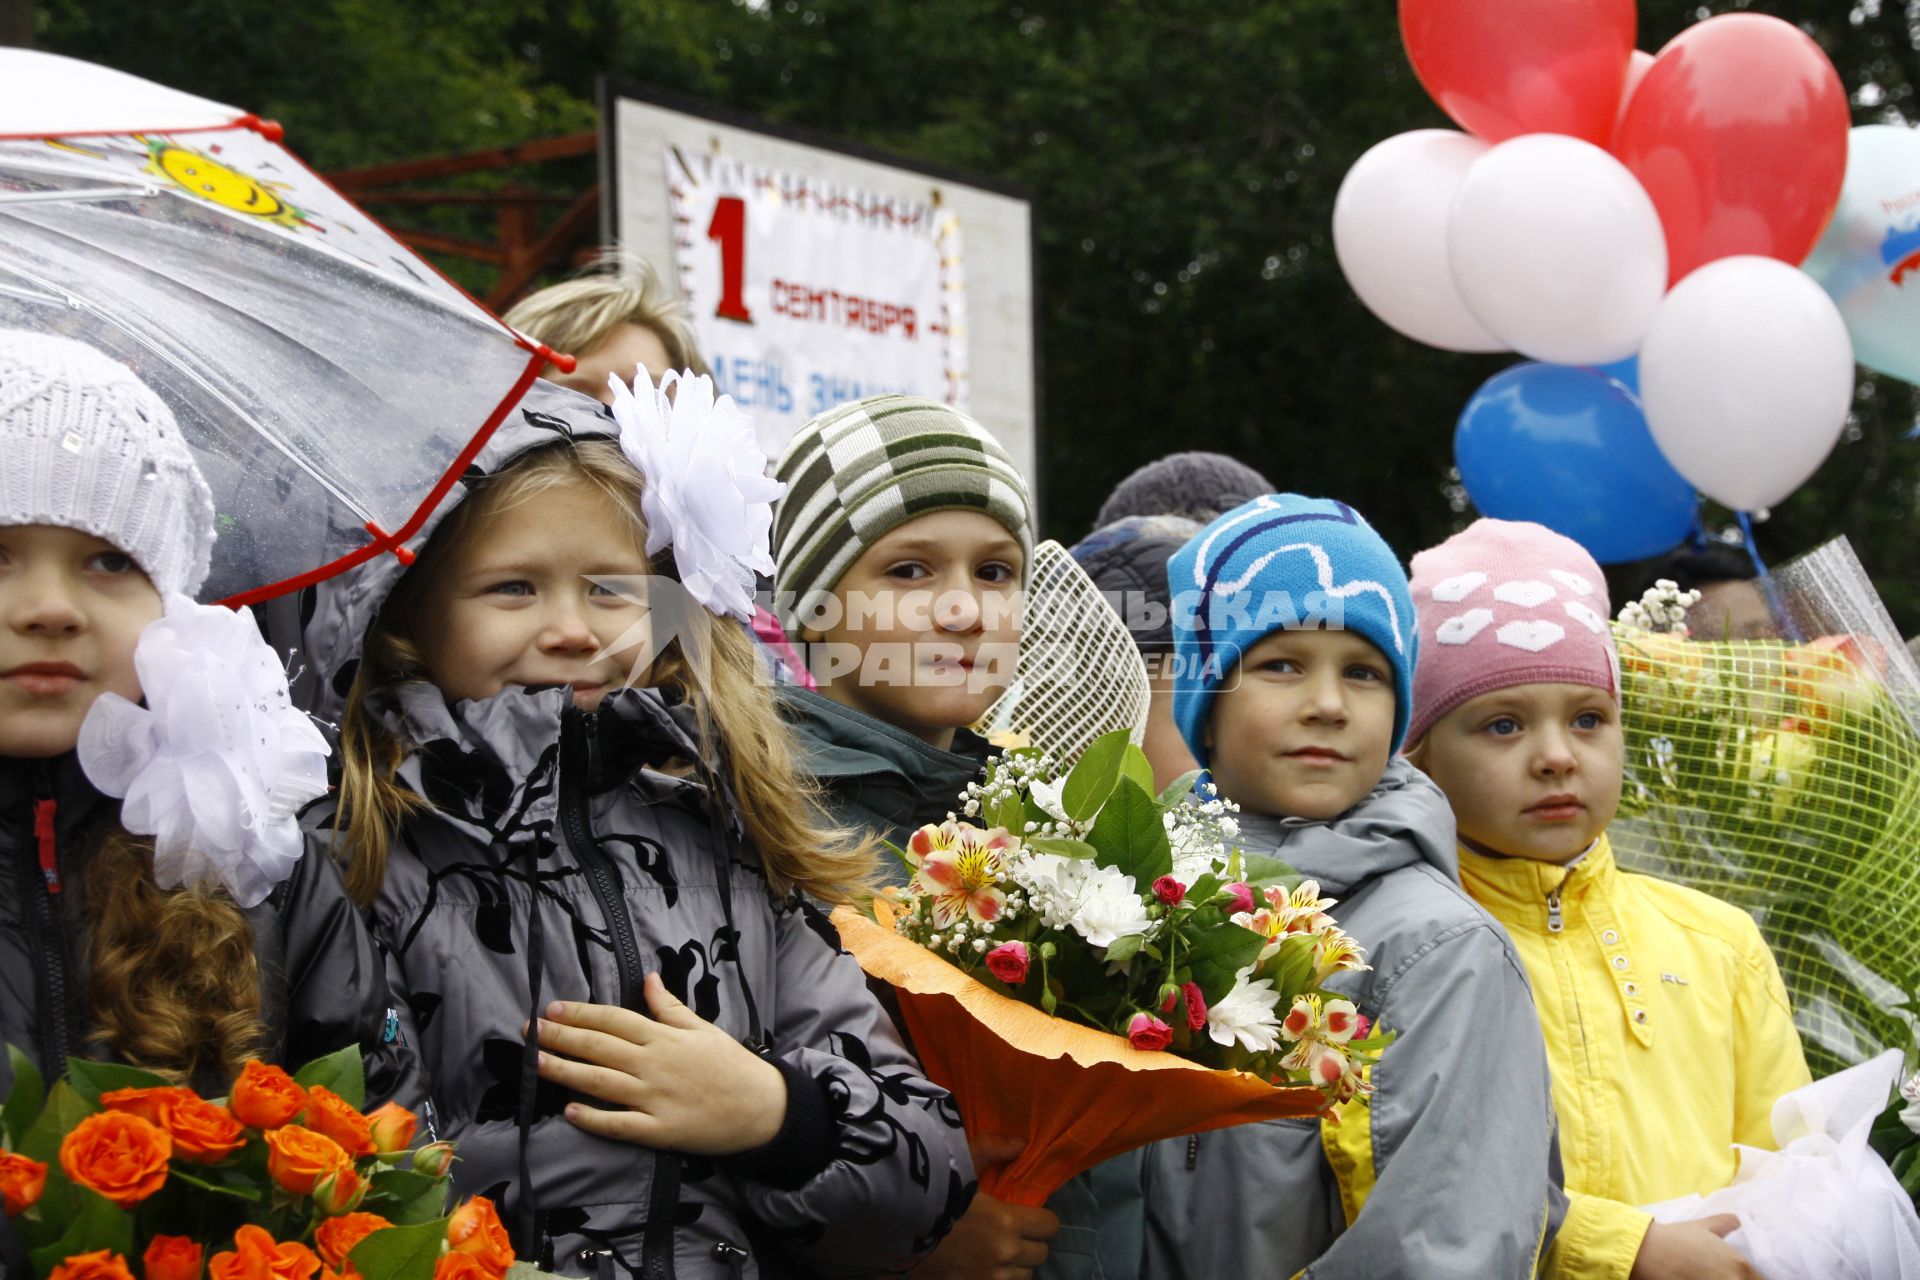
x=43, y=812
x=590, y=725
x=1554, y=923
x=733, y=1255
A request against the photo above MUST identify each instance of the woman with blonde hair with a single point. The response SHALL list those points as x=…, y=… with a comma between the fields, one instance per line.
x=615, y=315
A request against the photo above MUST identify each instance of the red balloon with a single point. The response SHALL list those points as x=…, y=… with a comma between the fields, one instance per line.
x=1507, y=67
x=1739, y=133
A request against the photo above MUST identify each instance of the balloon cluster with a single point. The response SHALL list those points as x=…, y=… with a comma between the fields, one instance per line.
x=1633, y=225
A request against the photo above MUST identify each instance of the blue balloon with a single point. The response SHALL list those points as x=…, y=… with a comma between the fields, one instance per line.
x=1626, y=372
x=1569, y=448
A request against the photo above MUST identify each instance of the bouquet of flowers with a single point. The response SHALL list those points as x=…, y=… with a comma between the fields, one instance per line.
x=1094, y=935
x=285, y=1179
x=1784, y=776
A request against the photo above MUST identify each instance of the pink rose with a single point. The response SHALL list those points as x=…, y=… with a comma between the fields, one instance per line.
x=1361, y=1025
x=1169, y=891
x=1241, y=898
x=1008, y=962
x=1147, y=1032
x=1196, y=1006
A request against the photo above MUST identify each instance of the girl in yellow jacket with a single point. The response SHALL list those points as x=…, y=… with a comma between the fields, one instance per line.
x=1667, y=1027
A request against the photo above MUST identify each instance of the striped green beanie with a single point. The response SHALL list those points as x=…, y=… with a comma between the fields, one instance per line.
x=861, y=470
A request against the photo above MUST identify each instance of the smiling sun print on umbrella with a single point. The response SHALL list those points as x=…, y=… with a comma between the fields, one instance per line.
x=209, y=179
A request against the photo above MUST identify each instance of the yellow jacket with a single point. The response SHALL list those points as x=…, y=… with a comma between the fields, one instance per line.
x=1668, y=1035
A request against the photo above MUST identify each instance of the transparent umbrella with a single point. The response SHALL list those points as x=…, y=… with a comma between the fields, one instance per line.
x=332, y=384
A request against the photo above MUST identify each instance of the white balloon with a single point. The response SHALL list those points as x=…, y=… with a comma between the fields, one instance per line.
x=1558, y=250
x=1390, y=235
x=1746, y=378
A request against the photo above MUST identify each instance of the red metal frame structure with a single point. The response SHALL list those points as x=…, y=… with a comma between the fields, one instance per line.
x=522, y=250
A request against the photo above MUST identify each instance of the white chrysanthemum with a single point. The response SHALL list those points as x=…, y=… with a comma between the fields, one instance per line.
x=1245, y=1015
x=707, y=492
x=1098, y=903
x=216, y=763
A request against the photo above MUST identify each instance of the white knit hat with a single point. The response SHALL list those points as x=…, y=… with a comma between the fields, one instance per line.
x=88, y=446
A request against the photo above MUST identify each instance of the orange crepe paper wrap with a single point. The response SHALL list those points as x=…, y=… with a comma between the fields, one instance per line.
x=1075, y=1095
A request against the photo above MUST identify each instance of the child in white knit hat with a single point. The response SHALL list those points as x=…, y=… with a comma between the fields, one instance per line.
x=162, y=932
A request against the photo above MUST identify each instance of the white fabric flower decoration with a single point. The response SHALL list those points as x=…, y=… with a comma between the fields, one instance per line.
x=708, y=495
x=217, y=762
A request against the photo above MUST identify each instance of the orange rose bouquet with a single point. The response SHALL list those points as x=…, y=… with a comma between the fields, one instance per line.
x=116, y=1174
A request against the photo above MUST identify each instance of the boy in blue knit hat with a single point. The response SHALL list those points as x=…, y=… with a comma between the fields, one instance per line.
x=1295, y=635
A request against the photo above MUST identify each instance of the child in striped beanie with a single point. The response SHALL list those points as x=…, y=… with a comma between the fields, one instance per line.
x=901, y=546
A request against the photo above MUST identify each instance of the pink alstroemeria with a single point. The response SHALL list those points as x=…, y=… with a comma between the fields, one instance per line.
x=958, y=867
x=1334, y=951
x=1317, y=1030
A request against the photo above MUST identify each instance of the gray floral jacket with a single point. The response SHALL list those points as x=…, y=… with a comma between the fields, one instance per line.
x=556, y=864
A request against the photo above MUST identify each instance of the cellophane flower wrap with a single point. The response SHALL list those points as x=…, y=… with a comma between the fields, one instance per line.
x=1783, y=776
x=117, y=1172
x=1140, y=938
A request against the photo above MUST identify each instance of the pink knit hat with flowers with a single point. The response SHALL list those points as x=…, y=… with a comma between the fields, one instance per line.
x=1502, y=603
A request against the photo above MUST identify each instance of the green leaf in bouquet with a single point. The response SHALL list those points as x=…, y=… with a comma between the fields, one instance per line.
x=1130, y=837
x=1061, y=845
x=1262, y=871
x=64, y=1109
x=1179, y=789
x=1203, y=889
x=24, y=1101
x=1134, y=764
x=899, y=853
x=1217, y=955
x=91, y=1079
x=1291, y=968
x=400, y=1252
x=1008, y=811
x=237, y=1189
x=1093, y=778
x=339, y=1071
x=99, y=1224
x=404, y=1197
x=1124, y=948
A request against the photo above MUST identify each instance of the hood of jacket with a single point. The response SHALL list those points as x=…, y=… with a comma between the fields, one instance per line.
x=1403, y=821
x=873, y=774
x=344, y=608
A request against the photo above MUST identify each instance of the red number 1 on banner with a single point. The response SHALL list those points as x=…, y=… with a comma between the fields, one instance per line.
x=729, y=227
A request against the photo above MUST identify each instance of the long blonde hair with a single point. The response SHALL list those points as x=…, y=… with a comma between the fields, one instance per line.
x=173, y=984
x=739, y=725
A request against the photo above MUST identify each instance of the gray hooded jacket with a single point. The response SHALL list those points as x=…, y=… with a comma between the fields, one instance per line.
x=1456, y=1166
x=556, y=864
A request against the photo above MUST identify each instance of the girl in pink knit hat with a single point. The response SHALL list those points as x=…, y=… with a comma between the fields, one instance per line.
x=1667, y=1026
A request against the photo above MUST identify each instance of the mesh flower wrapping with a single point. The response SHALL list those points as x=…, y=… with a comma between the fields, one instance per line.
x=217, y=762
x=707, y=493
x=1784, y=777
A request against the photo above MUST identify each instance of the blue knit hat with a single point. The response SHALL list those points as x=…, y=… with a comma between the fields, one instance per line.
x=1228, y=585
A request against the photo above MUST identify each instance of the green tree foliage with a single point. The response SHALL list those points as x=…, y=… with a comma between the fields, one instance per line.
x=1182, y=158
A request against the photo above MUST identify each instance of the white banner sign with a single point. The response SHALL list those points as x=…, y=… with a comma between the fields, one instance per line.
x=806, y=294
